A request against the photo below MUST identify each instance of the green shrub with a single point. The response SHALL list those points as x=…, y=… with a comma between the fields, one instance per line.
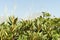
x=40, y=28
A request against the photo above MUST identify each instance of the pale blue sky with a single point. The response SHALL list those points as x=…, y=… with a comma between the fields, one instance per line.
x=25, y=7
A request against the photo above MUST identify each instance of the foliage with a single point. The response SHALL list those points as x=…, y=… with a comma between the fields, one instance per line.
x=41, y=28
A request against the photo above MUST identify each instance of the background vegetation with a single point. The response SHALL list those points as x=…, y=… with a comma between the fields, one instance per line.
x=41, y=28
